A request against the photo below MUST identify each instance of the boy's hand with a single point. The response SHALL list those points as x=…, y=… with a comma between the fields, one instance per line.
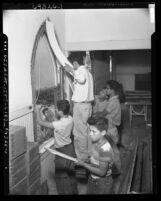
x=87, y=160
x=79, y=162
x=96, y=116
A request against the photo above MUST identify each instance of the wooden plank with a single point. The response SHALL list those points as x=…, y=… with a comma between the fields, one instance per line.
x=138, y=103
x=136, y=182
x=146, y=178
x=53, y=151
x=128, y=169
x=139, y=92
x=150, y=164
x=132, y=166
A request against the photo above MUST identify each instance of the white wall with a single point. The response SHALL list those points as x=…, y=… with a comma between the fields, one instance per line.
x=126, y=75
x=21, y=27
x=104, y=29
x=128, y=63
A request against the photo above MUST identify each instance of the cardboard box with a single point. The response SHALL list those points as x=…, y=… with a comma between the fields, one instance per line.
x=32, y=151
x=17, y=141
x=21, y=188
x=18, y=176
x=36, y=175
x=35, y=187
x=16, y=164
x=31, y=167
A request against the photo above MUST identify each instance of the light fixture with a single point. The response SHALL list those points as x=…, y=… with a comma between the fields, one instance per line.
x=152, y=12
x=110, y=64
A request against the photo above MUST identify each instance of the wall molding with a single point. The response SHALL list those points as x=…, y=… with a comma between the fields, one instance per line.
x=109, y=45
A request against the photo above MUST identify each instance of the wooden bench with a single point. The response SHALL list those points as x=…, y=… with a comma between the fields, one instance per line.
x=143, y=111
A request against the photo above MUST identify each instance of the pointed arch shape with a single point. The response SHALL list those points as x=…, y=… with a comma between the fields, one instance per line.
x=40, y=33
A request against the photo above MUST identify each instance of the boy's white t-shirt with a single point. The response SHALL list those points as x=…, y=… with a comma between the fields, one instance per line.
x=62, y=131
x=114, y=111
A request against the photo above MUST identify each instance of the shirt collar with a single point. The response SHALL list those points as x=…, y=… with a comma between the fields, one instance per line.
x=82, y=66
x=99, y=144
x=113, y=97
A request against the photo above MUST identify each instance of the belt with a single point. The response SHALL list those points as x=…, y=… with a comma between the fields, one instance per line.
x=84, y=102
x=96, y=179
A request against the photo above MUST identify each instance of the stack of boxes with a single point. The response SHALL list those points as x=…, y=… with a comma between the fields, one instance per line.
x=33, y=168
x=24, y=164
x=17, y=160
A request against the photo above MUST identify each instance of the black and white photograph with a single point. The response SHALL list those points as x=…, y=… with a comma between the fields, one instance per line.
x=77, y=92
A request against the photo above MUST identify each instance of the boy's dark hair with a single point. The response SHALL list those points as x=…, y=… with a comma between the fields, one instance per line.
x=118, y=89
x=122, y=97
x=44, y=110
x=77, y=56
x=64, y=106
x=101, y=124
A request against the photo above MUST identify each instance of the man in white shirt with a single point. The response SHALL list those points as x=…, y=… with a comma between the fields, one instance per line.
x=82, y=97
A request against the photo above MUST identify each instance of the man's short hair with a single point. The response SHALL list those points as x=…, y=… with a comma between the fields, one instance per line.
x=101, y=123
x=64, y=106
x=77, y=56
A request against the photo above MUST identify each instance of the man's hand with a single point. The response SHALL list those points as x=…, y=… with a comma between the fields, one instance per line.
x=79, y=162
x=87, y=160
x=96, y=115
x=68, y=69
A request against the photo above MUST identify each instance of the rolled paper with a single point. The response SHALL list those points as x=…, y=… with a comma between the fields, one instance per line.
x=53, y=151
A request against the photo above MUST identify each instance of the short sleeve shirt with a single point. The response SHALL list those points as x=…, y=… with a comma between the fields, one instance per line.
x=83, y=91
x=62, y=131
x=102, y=153
x=114, y=112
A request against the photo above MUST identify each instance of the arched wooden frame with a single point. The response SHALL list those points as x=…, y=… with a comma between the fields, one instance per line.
x=41, y=32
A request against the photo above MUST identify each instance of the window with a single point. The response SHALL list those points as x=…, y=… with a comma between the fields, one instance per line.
x=143, y=82
x=46, y=77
